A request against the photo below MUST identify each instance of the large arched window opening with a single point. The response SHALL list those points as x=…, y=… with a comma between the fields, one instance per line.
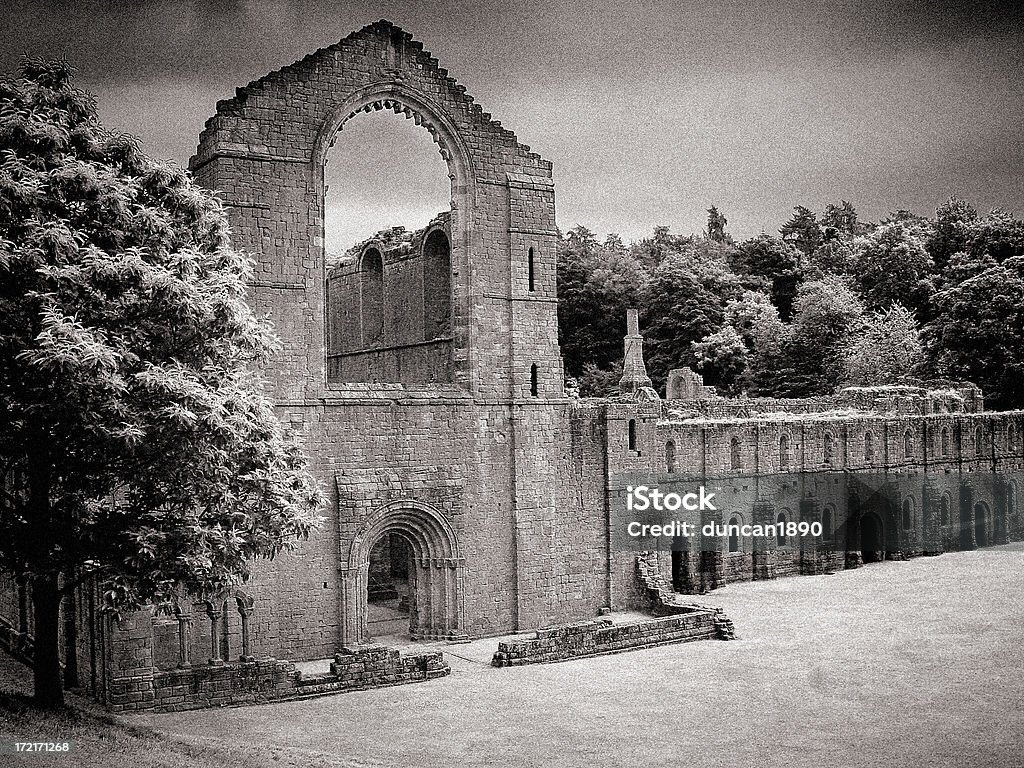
x=780, y=530
x=388, y=247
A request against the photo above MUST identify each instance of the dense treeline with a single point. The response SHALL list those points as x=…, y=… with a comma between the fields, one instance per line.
x=828, y=302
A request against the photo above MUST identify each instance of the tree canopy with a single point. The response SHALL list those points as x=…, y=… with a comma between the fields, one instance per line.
x=833, y=300
x=136, y=445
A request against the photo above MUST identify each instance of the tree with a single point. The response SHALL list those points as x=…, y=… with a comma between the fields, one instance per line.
x=840, y=222
x=827, y=312
x=136, y=446
x=596, y=285
x=716, y=226
x=802, y=230
x=977, y=332
x=776, y=264
x=683, y=302
x=886, y=349
x=893, y=266
x=722, y=358
x=950, y=230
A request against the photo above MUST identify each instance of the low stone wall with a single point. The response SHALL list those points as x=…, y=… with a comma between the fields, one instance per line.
x=601, y=636
x=252, y=682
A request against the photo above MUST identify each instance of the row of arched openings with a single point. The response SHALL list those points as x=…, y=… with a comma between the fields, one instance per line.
x=828, y=448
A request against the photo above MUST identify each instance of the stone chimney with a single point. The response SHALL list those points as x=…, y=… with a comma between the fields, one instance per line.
x=634, y=372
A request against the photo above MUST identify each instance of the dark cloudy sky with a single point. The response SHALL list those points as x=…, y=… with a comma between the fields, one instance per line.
x=651, y=111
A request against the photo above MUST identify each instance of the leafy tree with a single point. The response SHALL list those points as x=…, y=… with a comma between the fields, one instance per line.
x=802, y=230
x=977, y=332
x=776, y=264
x=950, y=231
x=136, y=447
x=997, y=234
x=722, y=358
x=893, y=266
x=827, y=312
x=600, y=382
x=716, y=226
x=840, y=222
x=596, y=285
x=885, y=350
x=683, y=302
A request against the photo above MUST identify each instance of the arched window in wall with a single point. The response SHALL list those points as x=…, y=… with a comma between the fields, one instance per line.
x=869, y=447
x=908, y=514
x=734, y=537
x=828, y=448
x=372, y=298
x=734, y=453
x=780, y=531
x=784, y=452
x=908, y=444
x=945, y=441
x=437, y=286
x=530, y=269
x=1011, y=439
x=670, y=456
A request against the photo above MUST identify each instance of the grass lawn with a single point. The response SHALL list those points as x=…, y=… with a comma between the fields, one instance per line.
x=917, y=663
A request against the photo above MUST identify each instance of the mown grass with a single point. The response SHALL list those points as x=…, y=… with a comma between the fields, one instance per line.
x=101, y=739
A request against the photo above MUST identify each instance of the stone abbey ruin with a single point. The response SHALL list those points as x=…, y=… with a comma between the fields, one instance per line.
x=470, y=495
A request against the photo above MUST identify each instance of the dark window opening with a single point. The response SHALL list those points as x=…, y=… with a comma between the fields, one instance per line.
x=529, y=267
x=780, y=533
x=734, y=538
x=533, y=380
x=632, y=434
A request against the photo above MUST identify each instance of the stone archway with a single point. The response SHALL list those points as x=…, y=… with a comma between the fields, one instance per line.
x=436, y=574
x=982, y=525
x=872, y=538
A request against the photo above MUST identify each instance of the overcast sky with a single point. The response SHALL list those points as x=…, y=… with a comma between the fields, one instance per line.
x=650, y=111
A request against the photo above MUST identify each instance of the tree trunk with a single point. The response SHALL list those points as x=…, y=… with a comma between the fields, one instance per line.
x=49, y=687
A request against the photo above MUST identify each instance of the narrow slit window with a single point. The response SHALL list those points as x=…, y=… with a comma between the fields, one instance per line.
x=533, y=380
x=530, y=269
x=632, y=434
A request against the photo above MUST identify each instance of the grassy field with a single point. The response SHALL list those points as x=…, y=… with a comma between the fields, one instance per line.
x=917, y=663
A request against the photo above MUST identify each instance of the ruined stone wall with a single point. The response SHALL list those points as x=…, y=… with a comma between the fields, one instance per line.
x=941, y=467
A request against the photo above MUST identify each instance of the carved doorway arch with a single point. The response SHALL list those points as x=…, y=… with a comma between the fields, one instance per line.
x=437, y=599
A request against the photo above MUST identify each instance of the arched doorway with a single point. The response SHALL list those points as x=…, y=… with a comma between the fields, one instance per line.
x=872, y=539
x=388, y=586
x=982, y=525
x=372, y=582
